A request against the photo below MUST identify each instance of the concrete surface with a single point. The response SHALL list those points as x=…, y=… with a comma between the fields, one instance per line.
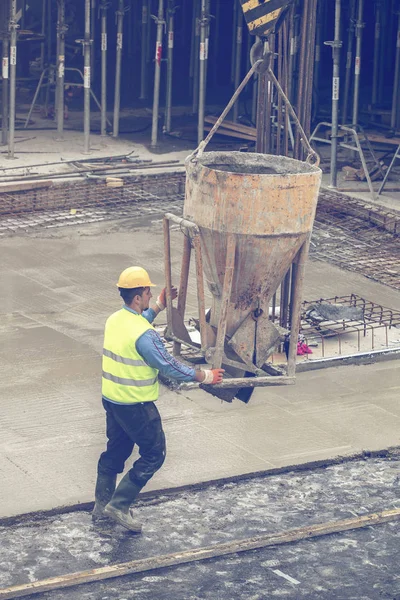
x=36, y=548
x=40, y=152
x=57, y=288
x=389, y=199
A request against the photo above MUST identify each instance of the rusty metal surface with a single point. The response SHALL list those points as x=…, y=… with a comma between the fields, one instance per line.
x=268, y=203
x=254, y=213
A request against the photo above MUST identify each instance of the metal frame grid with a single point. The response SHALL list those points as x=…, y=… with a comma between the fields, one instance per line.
x=376, y=317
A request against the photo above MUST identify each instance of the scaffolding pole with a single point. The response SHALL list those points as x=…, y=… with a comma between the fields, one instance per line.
x=44, y=4
x=93, y=37
x=238, y=61
x=196, y=62
x=120, y=13
x=317, y=59
x=204, y=19
x=87, y=79
x=5, y=72
x=234, y=33
x=357, y=67
x=376, y=52
x=48, y=33
x=157, y=72
x=13, y=26
x=61, y=30
x=143, y=57
x=170, y=58
x=349, y=60
x=336, y=45
x=393, y=120
x=104, y=6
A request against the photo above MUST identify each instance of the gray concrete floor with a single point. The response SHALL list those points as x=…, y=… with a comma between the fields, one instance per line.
x=56, y=290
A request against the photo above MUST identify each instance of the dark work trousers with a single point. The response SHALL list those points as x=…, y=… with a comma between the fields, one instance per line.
x=127, y=425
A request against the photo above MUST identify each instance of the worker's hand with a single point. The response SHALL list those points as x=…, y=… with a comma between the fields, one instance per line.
x=212, y=376
x=162, y=298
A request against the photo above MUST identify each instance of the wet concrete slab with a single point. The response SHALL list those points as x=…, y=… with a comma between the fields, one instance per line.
x=57, y=289
x=340, y=564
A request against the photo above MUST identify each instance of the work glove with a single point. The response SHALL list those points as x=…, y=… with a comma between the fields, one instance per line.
x=213, y=376
x=162, y=298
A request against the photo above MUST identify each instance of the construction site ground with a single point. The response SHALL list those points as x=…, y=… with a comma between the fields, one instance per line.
x=353, y=564
x=40, y=145
x=57, y=289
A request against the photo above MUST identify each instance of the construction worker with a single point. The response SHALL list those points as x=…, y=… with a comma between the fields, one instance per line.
x=133, y=355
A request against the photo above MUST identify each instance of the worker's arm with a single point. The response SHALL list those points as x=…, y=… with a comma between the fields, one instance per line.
x=151, y=347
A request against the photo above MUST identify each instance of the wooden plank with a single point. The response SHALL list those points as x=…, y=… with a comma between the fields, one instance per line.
x=233, y=126
x=24, y=185
x=188, y=556
x=227, y=132
x=381, y=139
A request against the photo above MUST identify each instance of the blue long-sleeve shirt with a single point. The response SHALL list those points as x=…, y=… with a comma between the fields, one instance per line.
x=151, y=347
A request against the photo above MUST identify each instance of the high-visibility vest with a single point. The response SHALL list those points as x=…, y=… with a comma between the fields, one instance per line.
x=126, y=377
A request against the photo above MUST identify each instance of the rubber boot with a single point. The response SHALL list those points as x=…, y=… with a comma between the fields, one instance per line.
x=105, y=488
x=118, y=507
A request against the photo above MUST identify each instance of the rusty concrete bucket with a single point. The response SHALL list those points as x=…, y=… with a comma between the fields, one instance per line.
x=249, y=217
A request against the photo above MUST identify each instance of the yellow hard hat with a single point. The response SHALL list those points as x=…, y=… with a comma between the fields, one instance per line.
x=134, y=277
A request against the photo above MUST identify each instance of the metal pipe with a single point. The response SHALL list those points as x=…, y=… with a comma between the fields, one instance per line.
x=118, y=59
x=317, y=61
x=336, y=45
x=93, y=37
x=386, y=18
x=292, y=52
x=217, y=21
x=157, y=72
x=183, y=284
x=357, y=68
x=13, y=26
x=87, y=79
x=284, y=299
x=168, y=272
x=377, y=47
x=61, y=30
x=200, y=291
x=393, y=120
x=48, y=33
x=192, y=45
x=56, y=69
x=103, y=8
x=245, y=382
x=143, y=57
x=261, y=116
x=301, y=103
x=207, y=46
x=349, y=60
x=43, y=31
x=196, y=55
x=149, y=47
x=5, y=72
x=298, y=274
x=238, y=61
x=202, y=77
x=233, y=52
x=168, y=103
x=225, y=300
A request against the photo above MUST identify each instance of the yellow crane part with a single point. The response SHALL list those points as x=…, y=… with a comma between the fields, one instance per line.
x=262, y=15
